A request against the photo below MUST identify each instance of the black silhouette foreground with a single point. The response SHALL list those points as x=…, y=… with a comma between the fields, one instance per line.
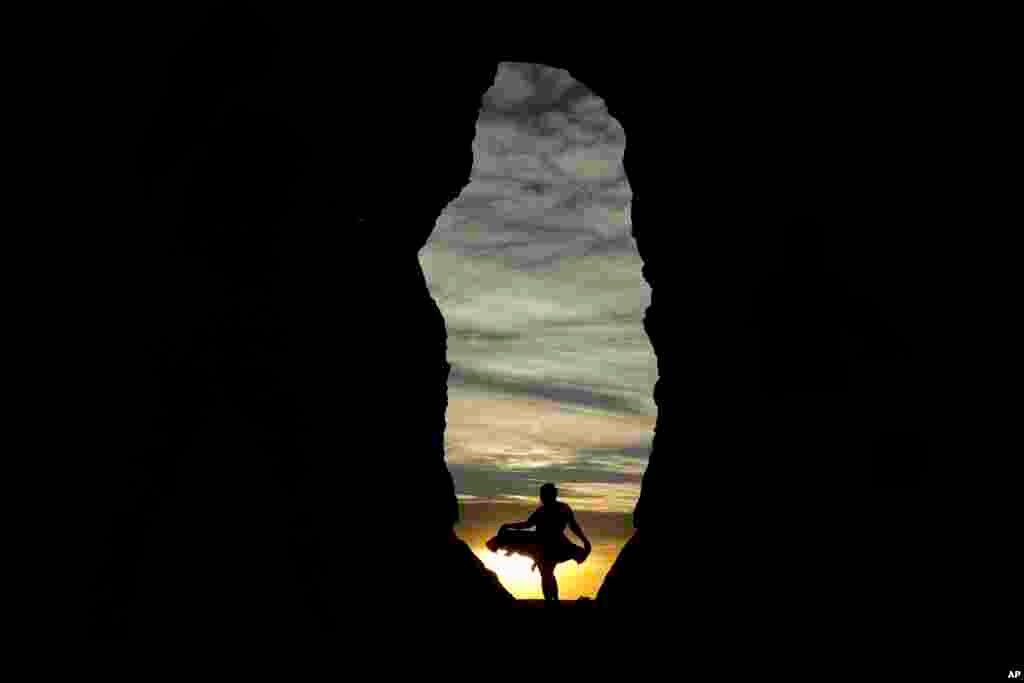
x=547, y=545
x=224, y=310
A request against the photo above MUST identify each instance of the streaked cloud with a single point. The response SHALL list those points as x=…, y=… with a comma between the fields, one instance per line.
x=537, y=275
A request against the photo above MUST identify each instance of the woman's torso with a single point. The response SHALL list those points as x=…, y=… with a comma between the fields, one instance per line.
x=552, y=520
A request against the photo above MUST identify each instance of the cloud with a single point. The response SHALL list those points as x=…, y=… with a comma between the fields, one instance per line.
x=504, y=449
x=601, y=496
x=538, y=278
x=510, y=385
x=495, y=428
x=480, y=520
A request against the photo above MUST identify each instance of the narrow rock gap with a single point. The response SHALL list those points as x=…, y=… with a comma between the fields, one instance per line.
x=535, y=271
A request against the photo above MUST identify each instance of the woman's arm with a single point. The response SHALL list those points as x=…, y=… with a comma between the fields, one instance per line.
x=519, y=525
x=574, y=525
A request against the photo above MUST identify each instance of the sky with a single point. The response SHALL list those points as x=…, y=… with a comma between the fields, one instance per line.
x=539, y=281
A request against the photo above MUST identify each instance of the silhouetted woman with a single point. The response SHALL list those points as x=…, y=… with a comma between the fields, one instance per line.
x=547, y=545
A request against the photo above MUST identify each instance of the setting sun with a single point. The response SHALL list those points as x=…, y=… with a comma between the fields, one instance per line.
x=574, y=581
x=515, y=572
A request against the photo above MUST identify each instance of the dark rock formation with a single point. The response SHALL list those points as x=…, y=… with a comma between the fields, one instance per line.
x=273, y=364
x=791, y=213
x=261, y=367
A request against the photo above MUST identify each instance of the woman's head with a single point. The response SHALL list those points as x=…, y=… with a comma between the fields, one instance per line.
x=548, y=493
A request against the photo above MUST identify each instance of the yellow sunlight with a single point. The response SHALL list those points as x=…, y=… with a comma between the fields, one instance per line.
x=574, y=581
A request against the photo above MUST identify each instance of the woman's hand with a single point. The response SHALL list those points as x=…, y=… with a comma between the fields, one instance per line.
x=586, y=554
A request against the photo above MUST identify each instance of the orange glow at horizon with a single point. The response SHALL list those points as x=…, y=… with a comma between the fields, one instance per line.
x=574, y=580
